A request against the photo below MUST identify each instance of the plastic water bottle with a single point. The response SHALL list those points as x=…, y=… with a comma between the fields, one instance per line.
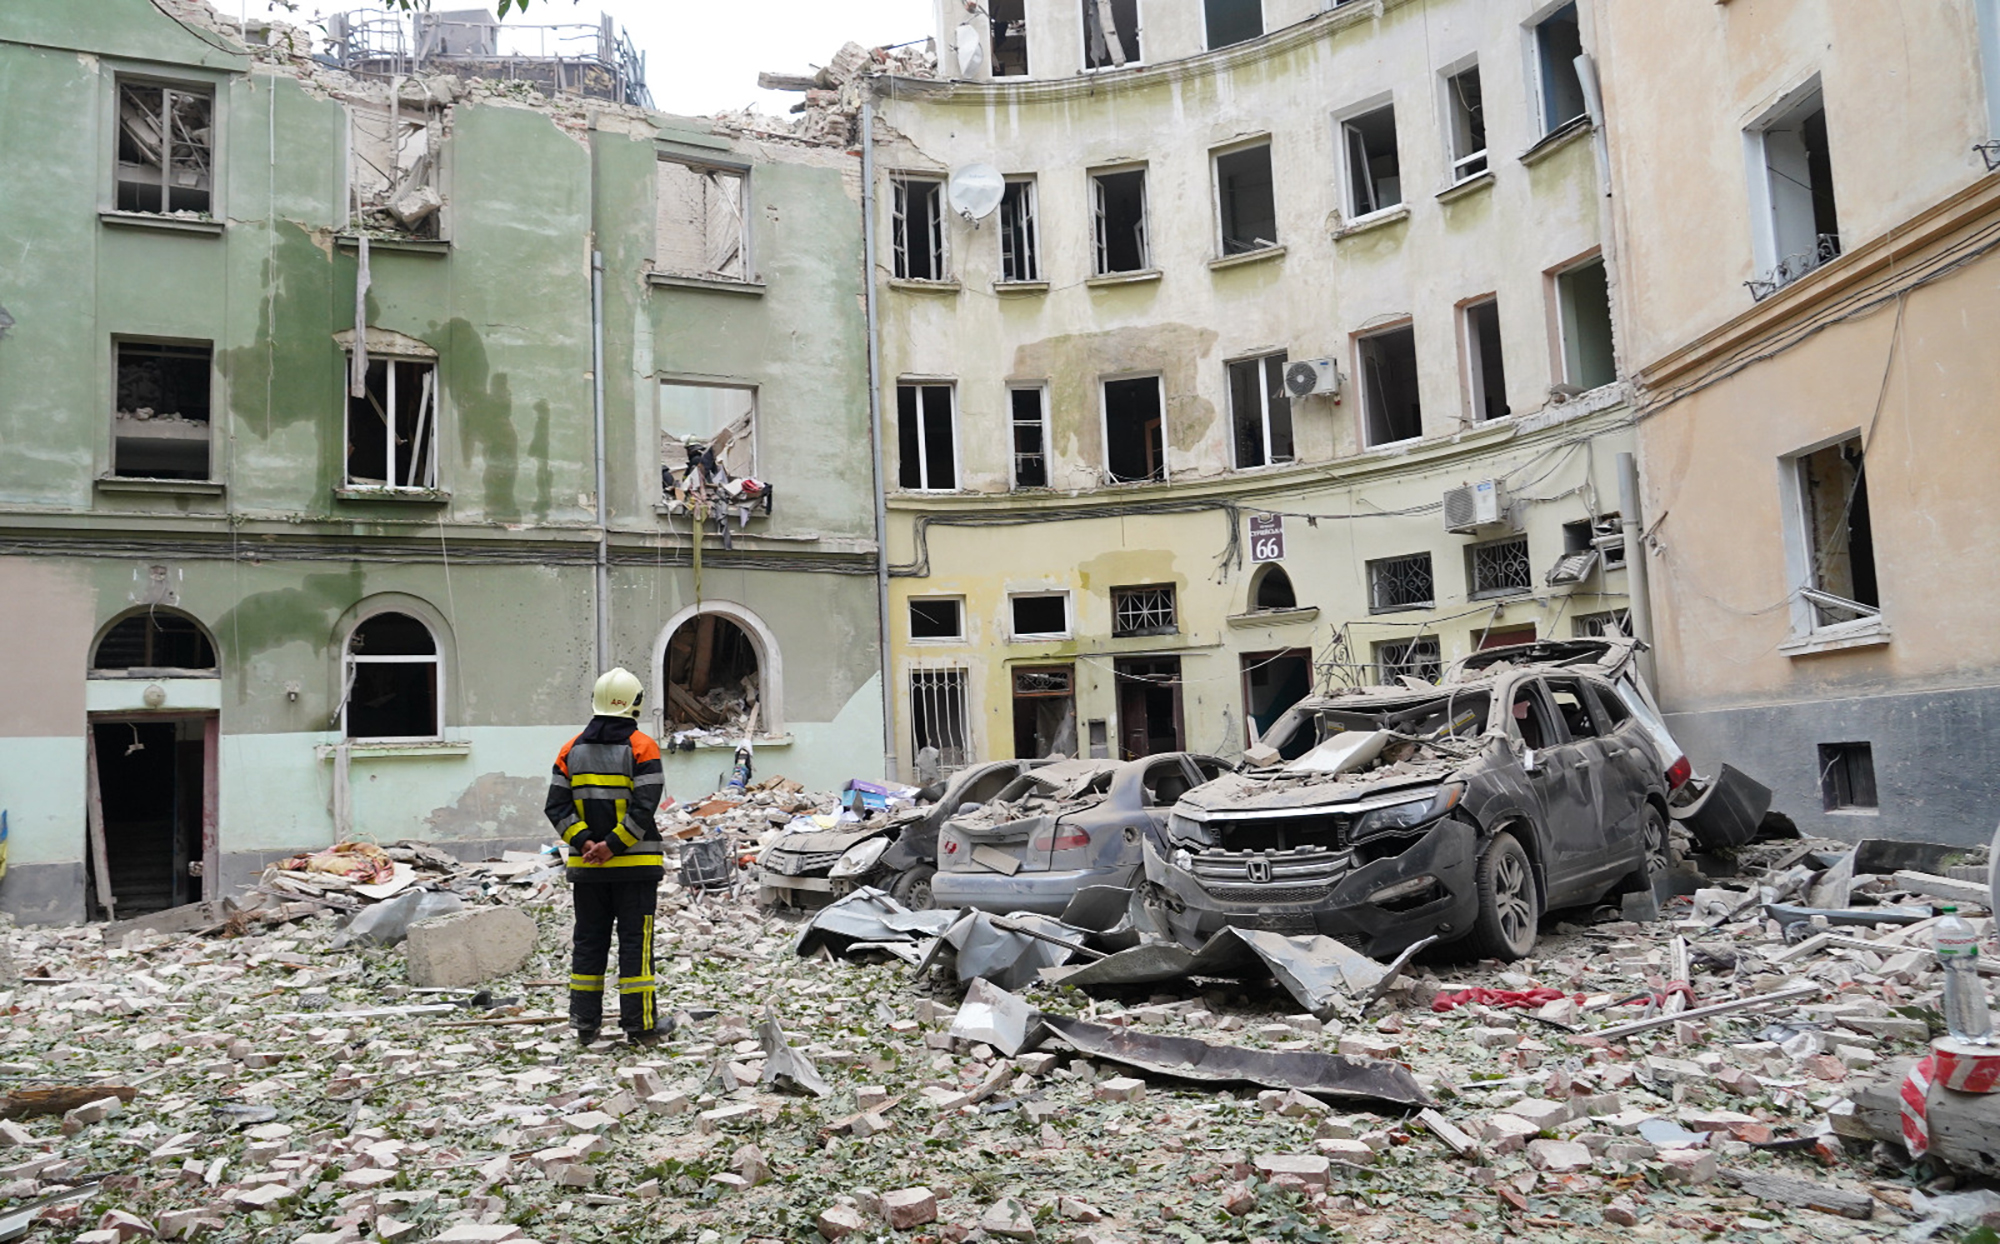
x=1957, y=947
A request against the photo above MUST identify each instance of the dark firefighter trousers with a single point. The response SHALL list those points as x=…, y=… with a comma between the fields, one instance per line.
x=629, y=905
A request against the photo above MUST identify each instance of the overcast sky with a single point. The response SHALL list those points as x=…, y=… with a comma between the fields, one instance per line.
x=700, y=57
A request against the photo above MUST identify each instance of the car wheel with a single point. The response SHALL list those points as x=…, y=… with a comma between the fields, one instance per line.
x=913, y=888
x=1659, y=852
x=1505, y=926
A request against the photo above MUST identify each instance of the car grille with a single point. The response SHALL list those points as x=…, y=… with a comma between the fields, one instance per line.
x=1270, y=893
x=799, y=863
x=1311, y=864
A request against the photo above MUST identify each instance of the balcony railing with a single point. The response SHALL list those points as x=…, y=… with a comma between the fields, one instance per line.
x=595, y=60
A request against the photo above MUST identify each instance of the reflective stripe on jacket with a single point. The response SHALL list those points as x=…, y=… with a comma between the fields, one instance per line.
x=605, y=787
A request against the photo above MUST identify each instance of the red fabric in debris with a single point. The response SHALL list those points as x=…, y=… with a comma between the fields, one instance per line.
x=1521, y=998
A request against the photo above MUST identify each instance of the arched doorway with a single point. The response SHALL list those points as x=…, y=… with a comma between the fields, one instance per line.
x=714, y=679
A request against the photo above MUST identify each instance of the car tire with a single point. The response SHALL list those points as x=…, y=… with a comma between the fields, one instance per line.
x=1504, y=929
x=1656, y=838
x=912, y=888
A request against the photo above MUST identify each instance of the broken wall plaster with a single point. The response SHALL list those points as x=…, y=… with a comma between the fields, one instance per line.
x=1075, y=367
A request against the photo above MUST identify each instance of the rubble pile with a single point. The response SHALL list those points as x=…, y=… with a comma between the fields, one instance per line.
x=1693, y=1078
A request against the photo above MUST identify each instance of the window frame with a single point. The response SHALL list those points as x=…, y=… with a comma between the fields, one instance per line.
x=1800, y=552
x=1539, y=92
x=1842, y=756
x=1031, y=195
x=1456, y=160
x=1770, y=258
x=1138, y=39
x=746, y=253
x=1344, y=136
x=1262, y=362
x=956, y=681
x=1104, y=384
x=1472, y=357
x=1123, y=590
x=677, y=381
x=1472, y=551
x=1041, y=389
x=348, y=661
x=1372, y=569
x=1100, y=241
x=1407, y=646
x=1365, y=404
x=1567, y=362
x=909, y=615
x=391, y=357
x=1221, y=238
x=213, y=89
x=118, y=342
x=920, y=383
x=899, y=186
x=1069, y=615
x=1208, y=43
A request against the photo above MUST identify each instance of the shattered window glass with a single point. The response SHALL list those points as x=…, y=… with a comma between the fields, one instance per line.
x=395, y=162
x=392, y=428
x=697, y=420
x=1110, y=33
x=392, y=680
x=701, y=231
x=165, y=156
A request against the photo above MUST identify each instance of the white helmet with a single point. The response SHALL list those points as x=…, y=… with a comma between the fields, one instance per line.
x=617, y=694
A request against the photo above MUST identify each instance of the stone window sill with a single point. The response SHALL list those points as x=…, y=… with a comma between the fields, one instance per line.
x=1374, y=220
x=924, y=287
x=749, y=289
x=161, y=487
x=757, y=743
x=200, y=226
x=412, y=246
x=1465, y=189
x=1274, y=617
x=1861, y=633
x=1259, y=255
x=1018, y=288
x=388, y=748
x=1141, y=276
x=1555, y=140
x=395, y=496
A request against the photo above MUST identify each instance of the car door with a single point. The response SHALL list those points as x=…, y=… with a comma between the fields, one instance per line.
x=1629, y=773
x=1574, y=844
x=1600, y=772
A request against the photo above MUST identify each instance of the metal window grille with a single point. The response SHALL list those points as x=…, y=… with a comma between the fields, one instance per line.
x=1500, y=567
x=1143, y=611
x=1043, y=682
x=1825, y=249
x=1614, y=622
x=939, y=717
x=1418, y=658
x=1401, y=583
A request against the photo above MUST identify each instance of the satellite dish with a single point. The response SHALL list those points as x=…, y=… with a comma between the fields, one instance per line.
x=975, y=190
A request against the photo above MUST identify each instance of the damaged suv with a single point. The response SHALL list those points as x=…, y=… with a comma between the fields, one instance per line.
x=1384, y=815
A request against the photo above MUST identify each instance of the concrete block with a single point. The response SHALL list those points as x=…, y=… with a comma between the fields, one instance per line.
x=469, y=948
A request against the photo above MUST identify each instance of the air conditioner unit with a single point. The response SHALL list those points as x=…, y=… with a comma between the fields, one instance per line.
x=1312, y=377
x=1473, y=506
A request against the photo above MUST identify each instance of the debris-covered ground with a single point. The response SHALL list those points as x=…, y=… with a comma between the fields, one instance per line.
x=262, y=1081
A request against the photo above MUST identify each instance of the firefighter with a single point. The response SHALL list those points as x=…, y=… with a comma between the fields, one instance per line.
x=603, y=793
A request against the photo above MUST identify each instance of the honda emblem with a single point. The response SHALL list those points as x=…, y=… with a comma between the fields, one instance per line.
x=1259, y=870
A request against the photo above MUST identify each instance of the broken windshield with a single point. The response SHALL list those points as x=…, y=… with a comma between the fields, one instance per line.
x=1457, y=715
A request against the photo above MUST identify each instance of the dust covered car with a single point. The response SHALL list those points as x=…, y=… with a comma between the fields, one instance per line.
x=1061, y=827
x=1389, y=814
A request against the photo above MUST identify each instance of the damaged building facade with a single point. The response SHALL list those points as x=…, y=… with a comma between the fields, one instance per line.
x=1230, y=348
x=310, y=524
x=1807, y=209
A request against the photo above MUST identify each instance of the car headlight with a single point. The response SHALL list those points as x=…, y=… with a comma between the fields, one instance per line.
x=859, y=858
x=1397, y=817
x=1187, y=829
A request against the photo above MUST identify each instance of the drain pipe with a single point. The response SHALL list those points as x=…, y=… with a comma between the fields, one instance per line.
x=889, y=769
x=603, y=609
x=1637, y=587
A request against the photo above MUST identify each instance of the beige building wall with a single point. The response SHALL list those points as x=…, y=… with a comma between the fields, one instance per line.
x=1891, y=342
x=1537, y=211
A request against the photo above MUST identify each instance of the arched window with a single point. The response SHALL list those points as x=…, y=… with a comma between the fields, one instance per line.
x=713, y=679
x=393, y=680
x=1273, y=590
x=154, y=643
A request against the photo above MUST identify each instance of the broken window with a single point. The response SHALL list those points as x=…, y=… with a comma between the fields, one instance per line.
x=1466, y=110
x=1840, y=542
x=154, y=643
x=1044, y=711
x=1390, y=409
x=927, y=458
x=707, y=428
x=714, y=680
x=1233, y=21
x=1273, y=590
x=160, y=427
x=939, y=720
x=1272, y=683
x=1039, y=615
x=1612, y=623
x=1374, y=172
x=1605, y=534
x=393, y=681
x=1485, y=372
x=1134, y=430
x=1149, y=706
x=1143, y=611
x=1558, y=42
x=1020, y=241
x=1245, y=200
x=1847, y=776
x=394, y=165
x=166, y=156
x=1110, y=33
x=1009, y=23
x=1118, y=203
x=701, y=229
x=1498, y=568
x=1030, y=427
x=1401, y=583
x=917, y=228
x=392, y=427
x=1804, y=229
x=1584, y=301
x=1261, y=411
x=1417, y=658
x=937, y=617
